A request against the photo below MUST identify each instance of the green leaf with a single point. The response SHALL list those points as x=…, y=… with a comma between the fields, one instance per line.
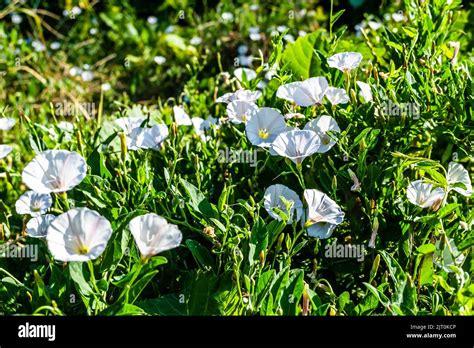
x=164, y=305
x=426, y=248
x=198, y=201
x=300, y=58
x=201, y=254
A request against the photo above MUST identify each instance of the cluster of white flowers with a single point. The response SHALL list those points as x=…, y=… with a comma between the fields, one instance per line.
x=5, y=125
x=80, y=234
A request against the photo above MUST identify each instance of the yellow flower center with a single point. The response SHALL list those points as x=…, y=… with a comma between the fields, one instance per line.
x=263, y=133
x=83, y=250
x=244, y=118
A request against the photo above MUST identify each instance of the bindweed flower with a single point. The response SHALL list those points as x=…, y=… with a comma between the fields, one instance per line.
x=249, y=74
x=322, y=215
x=272, y=199
x=345, y=61
x=148, y=138
x=5, y=151
x=240, y=111
x=265, y=126
x=336, y=96
x=305, y=93
x=365, y=91
x=423, y=195
x=129, y=123
x=201, y=126
x=55, y=171
x=458, y=179
x=181, y=117
x=195, y=41
x=33, y=203
x=153, y=234
x=160, y=60
x=321, y=126
x=38, y=226
x=241, y=94
x=296, y=145
x=356, y=186
x=447, y=256
x=80, y=234
x=7, y=123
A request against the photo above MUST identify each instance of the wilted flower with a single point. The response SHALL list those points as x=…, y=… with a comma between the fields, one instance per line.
x=38, y=226
x=321, y=126
x=296, y=145
x=322, y=215
x=240, y=111
x=306, y=93
x=272, y=199
x=7, y=123
x=458, y=175
x=181, y=117
x=5, y=151
x=365, y=91
x=264, y=127
x=337, y=96
x=423, y=195
x=345, y=61
x=153, y=234
x=80, y=234
x=248, y=73
x=33, y=203
x=55, y=171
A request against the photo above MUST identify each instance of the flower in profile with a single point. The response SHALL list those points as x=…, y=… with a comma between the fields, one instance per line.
x=55, y=171
x=148, y=138
x=80, y=234
x=458, y=179
x=423, y=195
x=321, y=126
x=5, y=151
x=273, y=199
x=241, y=94
x=129, y=123
x=33, y=203
x=181, y=117
x=153, y=234
x=296, y=145
x=7, y=123
x=305, y=93
x=365, y=91
x=201, y=126
x=249, y=74
x=265, y=126
x=322, y=215
x=337, y=96
x=356, y=186
x=345, y=61
x=38, y=226
x=240, y=111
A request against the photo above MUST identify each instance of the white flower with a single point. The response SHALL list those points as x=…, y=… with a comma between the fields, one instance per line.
x=242, y=49
x=76, y=10
x=5, y=151
x=87, y=76
x=302, y=33
x=305, y=93
x=296, y=145
x=38, y=226
x=80, y=234
x=241, y=94
x=105, y=87
x=289, y=38
x=457, y=174
x=356, y=186
x=245, y=60
x=337, y=96
x=169, y=29
x=264, y=127
x=148, y=138
x=38, y=46
x=159, y=60
x=93, y=31
x=7, y=123
x=129, y=123
x=201, y=126
x=365, y=91
x=295, y=115
x=195, y=41
x=322, y=215
x=456, y=46
x=55, y=45
x=181, y=117
x=272, y=199
x=152, y=20
x=227, y=16
x=55, y=171
x=345, y=61
x=16, y=18
x=423, y=195
x=33, y=203
x=374, y=25
x=248, y=73
x=75, y=71
x=153, y=234
x=447, y=256
x=398, y=16
x=240, y=111
x=321, y=125
x=282, y=28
